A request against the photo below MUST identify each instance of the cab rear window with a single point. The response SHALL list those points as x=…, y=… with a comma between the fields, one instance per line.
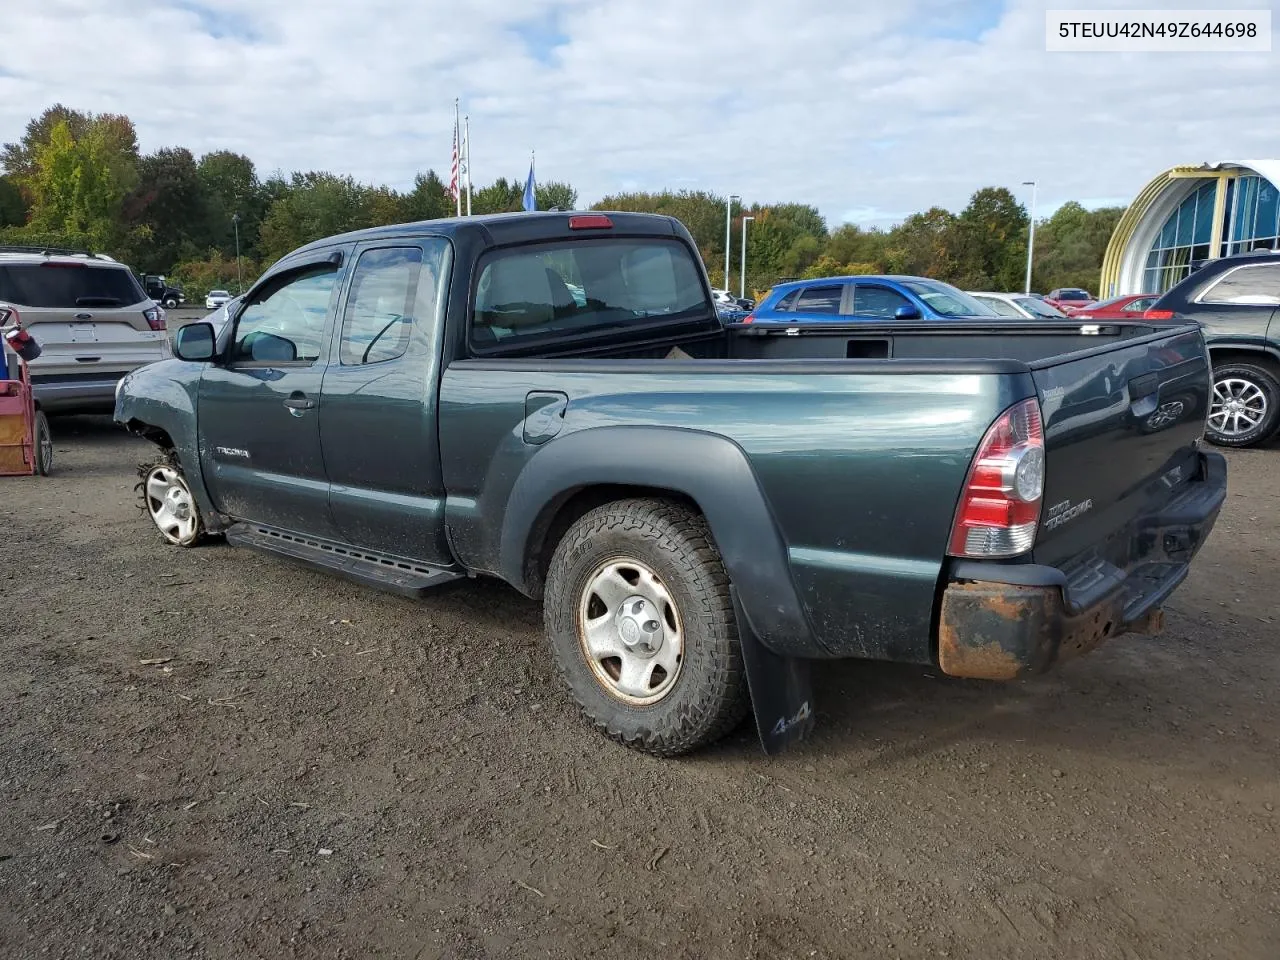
x=568, y=289
x=68, y=286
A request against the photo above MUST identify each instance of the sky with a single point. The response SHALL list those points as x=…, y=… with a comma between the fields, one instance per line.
x=867, y=109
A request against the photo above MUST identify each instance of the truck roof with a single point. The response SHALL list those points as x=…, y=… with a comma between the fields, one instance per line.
x=503, y=228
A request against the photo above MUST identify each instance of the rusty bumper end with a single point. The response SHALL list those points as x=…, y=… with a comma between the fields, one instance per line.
x=1000, y=631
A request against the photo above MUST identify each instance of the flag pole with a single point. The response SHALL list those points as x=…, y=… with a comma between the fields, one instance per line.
x=457, y=196
x=466, y=139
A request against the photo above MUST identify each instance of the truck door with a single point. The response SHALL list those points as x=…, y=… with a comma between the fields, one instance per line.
x=258, y=410
x=379, y=400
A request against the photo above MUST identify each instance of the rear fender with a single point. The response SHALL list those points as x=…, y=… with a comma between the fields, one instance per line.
x=710, y=470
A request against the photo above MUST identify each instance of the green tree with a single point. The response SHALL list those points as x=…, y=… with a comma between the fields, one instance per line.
x=13, y=206
x=170, y=204
x=429, y=199
x=852, y=244
x=501, y=196
x=923, y=245
x=231, y=187
x=1070, y=246
x=316, y=205
x=555, y=194
x=989, y=244
x=78, y=185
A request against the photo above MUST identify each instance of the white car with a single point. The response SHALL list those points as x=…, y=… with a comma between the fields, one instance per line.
x=216, y=298
x=1018, y=306
x=91, y=317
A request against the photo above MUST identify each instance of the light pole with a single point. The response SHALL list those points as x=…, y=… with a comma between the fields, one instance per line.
x=1031, y=240
x=728, y=232
x=743, y=278
x=235, y=222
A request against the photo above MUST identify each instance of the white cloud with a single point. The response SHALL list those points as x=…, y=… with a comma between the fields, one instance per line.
x=863, y=109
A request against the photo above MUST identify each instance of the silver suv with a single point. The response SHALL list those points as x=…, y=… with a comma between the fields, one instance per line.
x=92, y=319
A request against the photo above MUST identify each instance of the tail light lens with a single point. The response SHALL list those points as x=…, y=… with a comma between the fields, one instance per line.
x=590, y=221
x=1157, y=315
x=749, y=318
x=999, y=508
x=155, y=317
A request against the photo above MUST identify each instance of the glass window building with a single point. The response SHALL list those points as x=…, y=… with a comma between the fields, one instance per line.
x=1188, y=215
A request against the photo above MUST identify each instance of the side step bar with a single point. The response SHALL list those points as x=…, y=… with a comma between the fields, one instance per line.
x=376, y=570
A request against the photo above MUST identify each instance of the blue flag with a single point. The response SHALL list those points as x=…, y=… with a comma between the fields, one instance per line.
x=530, y=198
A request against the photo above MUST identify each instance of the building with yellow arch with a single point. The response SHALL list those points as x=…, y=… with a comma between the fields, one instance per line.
x=1187, y=215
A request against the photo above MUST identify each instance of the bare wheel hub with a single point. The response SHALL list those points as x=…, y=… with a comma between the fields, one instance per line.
x=630, y=632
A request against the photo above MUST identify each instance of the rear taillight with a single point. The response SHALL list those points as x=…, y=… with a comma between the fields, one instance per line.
x=1000, y=506
x=1157, y=315
x=590, y=221
x=749, y=318
x=155, y=317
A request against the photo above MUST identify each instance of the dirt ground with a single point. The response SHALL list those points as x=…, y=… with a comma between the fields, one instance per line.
x=211, y=753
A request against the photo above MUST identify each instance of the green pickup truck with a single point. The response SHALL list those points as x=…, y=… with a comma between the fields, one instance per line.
x=703, y=509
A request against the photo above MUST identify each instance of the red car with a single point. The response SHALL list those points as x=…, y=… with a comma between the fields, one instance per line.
x=1069, y=299
x=1129, y=307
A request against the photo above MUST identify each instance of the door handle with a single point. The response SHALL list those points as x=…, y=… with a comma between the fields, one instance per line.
x=297, y=402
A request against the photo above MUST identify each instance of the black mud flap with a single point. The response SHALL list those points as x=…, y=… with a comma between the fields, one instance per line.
x=781, y=693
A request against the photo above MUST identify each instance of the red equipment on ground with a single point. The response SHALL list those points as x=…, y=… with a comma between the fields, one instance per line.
x=26, y=447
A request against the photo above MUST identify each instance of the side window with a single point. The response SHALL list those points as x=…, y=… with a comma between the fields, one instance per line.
x=820, y=299
x=1258, y=285
x=789, y=301
x=379, y=317
x=1138, y=306
x=288, y=325
x=879, y=302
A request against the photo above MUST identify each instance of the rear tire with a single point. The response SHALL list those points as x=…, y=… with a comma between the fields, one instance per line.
x=43, y=445
x=170, y=302
x=1244, y=409
x=640, y=620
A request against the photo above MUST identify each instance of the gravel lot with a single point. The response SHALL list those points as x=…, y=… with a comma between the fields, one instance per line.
x=212, y=753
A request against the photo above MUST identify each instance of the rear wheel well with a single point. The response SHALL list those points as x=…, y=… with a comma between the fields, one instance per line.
x=559, y=515
x=1259, y=358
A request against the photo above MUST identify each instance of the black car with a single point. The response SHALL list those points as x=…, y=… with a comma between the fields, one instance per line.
x=1237, y=301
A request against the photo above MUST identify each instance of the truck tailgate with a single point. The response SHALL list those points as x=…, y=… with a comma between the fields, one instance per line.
x=1122, y=425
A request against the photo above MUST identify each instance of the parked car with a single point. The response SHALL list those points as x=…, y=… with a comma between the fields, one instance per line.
x=414, y=404
x=1237, y=301
x=871, y=297
x=160, y=290
x=1068, y=299
x=216, y=298
x=1018, y=306
x=93, y=320
x=1118, y=308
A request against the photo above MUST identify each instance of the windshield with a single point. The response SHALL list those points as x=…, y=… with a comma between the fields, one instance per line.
x=1039, y=308
x=58, y=285
x=947, y=301
x=1073, y=295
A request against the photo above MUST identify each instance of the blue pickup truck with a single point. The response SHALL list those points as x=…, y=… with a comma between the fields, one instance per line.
x=703, y=509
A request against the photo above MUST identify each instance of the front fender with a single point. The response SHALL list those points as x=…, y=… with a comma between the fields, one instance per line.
x=712, y=471
x=162, y=397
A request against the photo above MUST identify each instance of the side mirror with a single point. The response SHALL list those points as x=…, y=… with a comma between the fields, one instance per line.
x=195, y=342
x=907, y=312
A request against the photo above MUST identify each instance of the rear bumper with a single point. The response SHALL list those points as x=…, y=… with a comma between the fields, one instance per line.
x=999, y=622
x=96, y=395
